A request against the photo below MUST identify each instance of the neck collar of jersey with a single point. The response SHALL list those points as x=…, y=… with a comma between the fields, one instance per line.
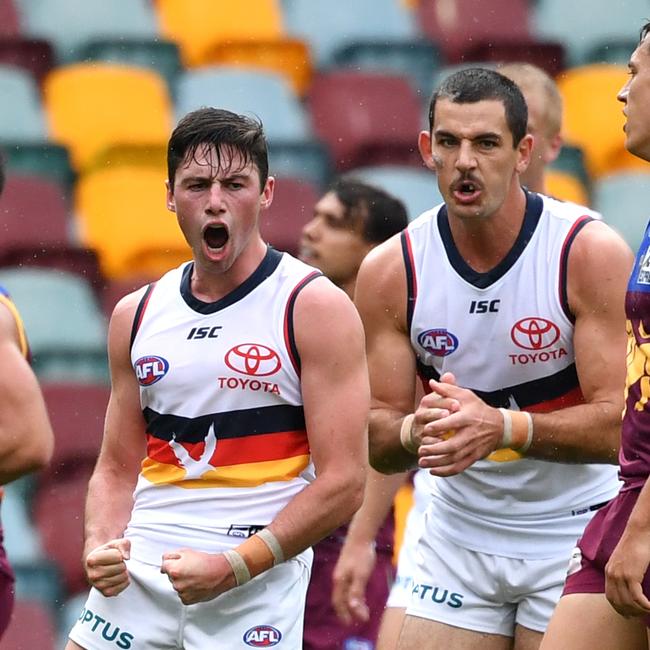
x=266, y=267
x=532, y=214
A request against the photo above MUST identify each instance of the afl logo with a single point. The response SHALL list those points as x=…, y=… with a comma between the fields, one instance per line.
x=439, y=342
x=262, y=636
x=253, y=359
x=534, y=333
x=149, y=370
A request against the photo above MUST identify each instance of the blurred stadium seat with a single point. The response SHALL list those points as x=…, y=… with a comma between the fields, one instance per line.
x=91, y=106
x=358, y=20
x=197, y=25
x=457, y=25
x=566, y=187
x=35, y=55
x=75, y=348
x=69, y=24
x=22, y=118
x=623, y=200
x=366, y=118
x=293, y=206
x=32, y=627
x=417, y=188
x=121, y=213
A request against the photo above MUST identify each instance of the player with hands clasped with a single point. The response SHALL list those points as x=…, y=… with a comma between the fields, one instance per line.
x=500, y=302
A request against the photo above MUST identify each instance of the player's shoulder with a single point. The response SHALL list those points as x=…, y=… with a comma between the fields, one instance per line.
x=568, y=209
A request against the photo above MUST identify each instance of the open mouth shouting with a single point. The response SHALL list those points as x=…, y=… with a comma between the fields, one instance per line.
x=216, y=236
x=466, y=190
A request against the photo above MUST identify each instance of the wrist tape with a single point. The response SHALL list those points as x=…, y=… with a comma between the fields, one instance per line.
x=406, y=434
x=254, y=556
x=517, y=430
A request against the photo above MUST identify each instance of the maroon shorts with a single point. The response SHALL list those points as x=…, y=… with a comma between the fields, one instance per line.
x=597, y=544
x=323, y=630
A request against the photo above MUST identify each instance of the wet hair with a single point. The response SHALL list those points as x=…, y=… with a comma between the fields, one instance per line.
x=645, y=30
x=471, y=85
x=378, y=214
x=226, y=132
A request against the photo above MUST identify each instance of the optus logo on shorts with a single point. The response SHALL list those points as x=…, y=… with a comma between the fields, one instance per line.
x=109, y=631
x=262, y=636
x=253, y=359
x=150, y=369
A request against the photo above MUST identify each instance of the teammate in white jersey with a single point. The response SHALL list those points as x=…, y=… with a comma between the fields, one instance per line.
x=239, y=404
x=544, y=104
x=507, y=290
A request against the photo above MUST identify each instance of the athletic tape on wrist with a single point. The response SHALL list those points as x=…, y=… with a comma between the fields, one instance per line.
x=406, y=434
x=517, y=430
x=239, y=568
x=274, y=546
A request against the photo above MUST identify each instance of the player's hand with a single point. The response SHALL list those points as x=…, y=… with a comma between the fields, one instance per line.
x=460, y=428
x=106, y=567
x=349, y=580
x=197, y=576
x=624, y=574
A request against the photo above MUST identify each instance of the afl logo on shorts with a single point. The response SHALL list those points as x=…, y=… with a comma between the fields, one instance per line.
x=534, y=333
x=149, y=370
x=262, y=636
x=439, y=342
x=253, y=359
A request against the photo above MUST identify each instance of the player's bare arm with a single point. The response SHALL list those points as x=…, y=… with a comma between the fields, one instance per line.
x=381, y=298
x=26, y=438
x=111, y=486
x=588, y=432
x=334, y=381
x=357, y=557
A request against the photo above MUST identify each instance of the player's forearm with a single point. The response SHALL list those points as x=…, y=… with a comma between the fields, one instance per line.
x=108, y=506
x=324, y=505
x=377, y=501
x=588, y=433
x=387, y=455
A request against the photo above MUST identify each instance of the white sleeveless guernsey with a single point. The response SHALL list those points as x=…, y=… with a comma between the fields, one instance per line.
x=220, y=392
x=507, y=335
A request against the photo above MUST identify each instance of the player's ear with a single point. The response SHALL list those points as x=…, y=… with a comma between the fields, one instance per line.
x=267, y=193
x=171, y=203
x=524, y=151
x=424, y=145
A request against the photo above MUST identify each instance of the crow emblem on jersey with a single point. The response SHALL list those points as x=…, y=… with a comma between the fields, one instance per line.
x=644, y=268
x=253, y=359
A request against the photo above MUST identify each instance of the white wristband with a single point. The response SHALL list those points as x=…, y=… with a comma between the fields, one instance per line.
x=272, y=542
x=529, y=433
x=506, y=439
x=406, y=434
x=239, y=568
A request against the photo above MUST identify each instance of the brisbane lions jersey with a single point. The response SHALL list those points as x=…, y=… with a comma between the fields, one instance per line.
x=220, y=391
x=634, y=456
x=508, y=336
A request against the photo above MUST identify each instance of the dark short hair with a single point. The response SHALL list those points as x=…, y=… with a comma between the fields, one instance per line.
x=644, y=32
x=471, y=85
x=379, y=214
x=227, y=132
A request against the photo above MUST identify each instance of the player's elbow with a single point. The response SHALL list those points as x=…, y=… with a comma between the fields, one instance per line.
x=354, y=491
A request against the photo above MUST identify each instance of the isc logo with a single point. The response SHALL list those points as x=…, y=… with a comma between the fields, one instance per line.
x=149, y=370
x=438, y=342
x=262, y=636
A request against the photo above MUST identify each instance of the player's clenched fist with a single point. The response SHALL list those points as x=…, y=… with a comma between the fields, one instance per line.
x=197, y=576
x=106, y=567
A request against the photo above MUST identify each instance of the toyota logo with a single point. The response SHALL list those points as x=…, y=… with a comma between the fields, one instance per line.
x=534, y=333
x=253, y=359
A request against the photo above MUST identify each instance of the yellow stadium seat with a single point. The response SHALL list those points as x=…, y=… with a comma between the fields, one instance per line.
x=288, y=56
x=91, y=106
x=402, y=505
x=593, y=118
x=121, y=213
x=566, y=187
x=196, y=25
